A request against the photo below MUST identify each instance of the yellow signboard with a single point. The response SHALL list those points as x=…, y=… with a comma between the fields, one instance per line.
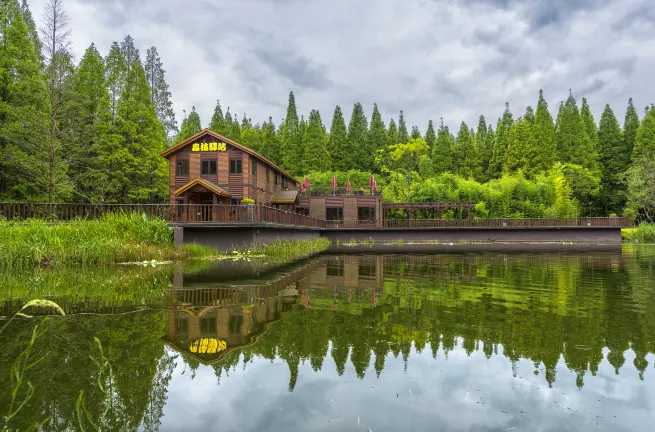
x=205, y=147
x=207, y=346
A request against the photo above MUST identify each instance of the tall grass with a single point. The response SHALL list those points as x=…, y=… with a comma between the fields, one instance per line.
x=110, y=239
x=288, y=250
x=643, y=233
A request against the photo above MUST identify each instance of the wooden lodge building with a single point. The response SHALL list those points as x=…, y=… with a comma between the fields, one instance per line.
x=210, y=169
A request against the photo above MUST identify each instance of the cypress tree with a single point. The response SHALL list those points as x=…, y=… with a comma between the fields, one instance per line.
x=376, y=139
x=190, y=126
x=271, y=142
x=24, y=110
x=251, y=136
x=235, y=130
x=403, y=135
x=430, y=135
x=416, y=133
x=442, y=152
x=392, y=133
x=228, y=124
x=315, y=142
x=218, y=123
x=630, y=126
x=160, y=94
x=573, y=144
x=501, y=142
x=592, y=134
x=464, y=152
x=614, y=162
x=645, y=138
x=291, y=139
x=115, y=71
x=544, y=136
x=522, y=149
x=357, y=134
x=338, y=145
x=483, y=152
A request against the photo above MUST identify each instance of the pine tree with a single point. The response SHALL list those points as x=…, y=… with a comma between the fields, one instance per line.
x=430, y=135
x=190, y=126
x=218, y=123
x=592, y=134
x=442, y=152
x=291, y=140
x=544, y=135
x=24, y=109
x=375, y=140
x=614, y=162
x=416, y=133
x=271, y=142
x=251, y=136
x=403, y=135
x=160, y=95
x=392, y=133
x=573, y=144
x=357, y=133
x=483, y=152
x=522, y=149
x=630, y=126
x=464, y=153
x=115, y=71
x=235, y=130
x=501, y=142
x=645, y=138
x=315, y=142
x=228, y=124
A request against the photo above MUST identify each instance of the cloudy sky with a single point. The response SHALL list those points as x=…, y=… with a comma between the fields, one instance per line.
x=454, y=59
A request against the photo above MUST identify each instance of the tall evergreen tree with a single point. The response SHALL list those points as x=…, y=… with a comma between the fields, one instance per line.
x=630, y=125
x=160, y=94
x=483, y=152
x=59, y=69
x=430, y=135
x=251, y=136
x=614, y=162
x=235, y=130
x=291, y=144
x=464, y=153
x=544, y=136
x=338, y=145
x=115, y=71
x=190, y=126
x=271, y=142
x=31, y=26
x=416, y=133
x=403, y=135
x=522, y=149
x=376, y=139
x=501, y=142
x=645, y=138
x=218, y=123
x=315, y=141
x=357, y=133
x=592, y=133
x=573, y=143
x=392, y=133
x=24, y=109
x=228, y=124
x=442, y=152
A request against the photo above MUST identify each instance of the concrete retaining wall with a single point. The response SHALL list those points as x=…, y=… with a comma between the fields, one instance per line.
x=229, y=238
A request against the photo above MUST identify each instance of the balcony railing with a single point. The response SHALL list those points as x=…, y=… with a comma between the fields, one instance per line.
x=341, y=191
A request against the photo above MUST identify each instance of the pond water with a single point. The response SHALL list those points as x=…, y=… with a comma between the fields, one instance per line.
x=468, y=342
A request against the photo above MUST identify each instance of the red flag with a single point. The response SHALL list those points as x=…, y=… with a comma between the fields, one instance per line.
x=348, y=186
x=334, y=182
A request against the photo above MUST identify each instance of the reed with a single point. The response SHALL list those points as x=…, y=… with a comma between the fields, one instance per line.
x=288, y=250
x=642, y=233
x=113, y=238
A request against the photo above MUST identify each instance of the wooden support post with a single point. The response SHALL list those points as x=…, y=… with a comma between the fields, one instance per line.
x=469, y=215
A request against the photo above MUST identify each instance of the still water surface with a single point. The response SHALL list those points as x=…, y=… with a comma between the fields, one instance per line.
x=481, y=342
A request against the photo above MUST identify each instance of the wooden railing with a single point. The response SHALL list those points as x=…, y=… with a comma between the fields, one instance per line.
x=339, y=191
x=259, y=213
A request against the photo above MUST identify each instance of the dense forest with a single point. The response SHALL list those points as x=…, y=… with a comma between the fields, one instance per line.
x=92, y=132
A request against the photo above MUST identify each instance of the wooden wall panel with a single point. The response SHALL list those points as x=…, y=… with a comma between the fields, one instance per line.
x=194, y=165
x=350, y=208
x=245, y=177
x=171, y=169
x=334, y=202
x=317, y=208
x=223, y=168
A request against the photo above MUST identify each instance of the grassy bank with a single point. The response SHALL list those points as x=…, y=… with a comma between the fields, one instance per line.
x=111, y=239
x=642, y=233
x=282, y=251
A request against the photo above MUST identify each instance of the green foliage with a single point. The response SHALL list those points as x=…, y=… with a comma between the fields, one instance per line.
x=289, y=250
x=465, y=156
x=544, y=136
x=573, y=144
x=614, y=162
x=640, y=180
x=392, y=133
x=338, y=145
x=642, y=233
x=405, y=159
x=645, y=138
x=501, y=143
x=270, y=142
x=431, y=136
x=630, y=125
x=190, y=126
x=291, y=139
x=315, y=143
x=376, y=139
x=218, y=123
x=403, y=135
x=442, y=152
x=357, y=136
x=161, y=96
x=357, y=178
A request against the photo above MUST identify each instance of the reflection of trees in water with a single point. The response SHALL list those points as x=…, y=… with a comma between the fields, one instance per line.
x=541, y=308
x=142, y=369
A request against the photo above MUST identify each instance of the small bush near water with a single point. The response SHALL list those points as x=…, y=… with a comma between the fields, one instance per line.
x=111, y=239
x=643, y=233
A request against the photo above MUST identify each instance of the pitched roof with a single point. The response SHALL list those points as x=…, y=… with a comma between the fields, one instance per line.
x=241, y=147
x=284, y=197
x=204, y=183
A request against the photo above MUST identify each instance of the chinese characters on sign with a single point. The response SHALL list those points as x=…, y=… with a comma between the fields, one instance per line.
x=212, y=146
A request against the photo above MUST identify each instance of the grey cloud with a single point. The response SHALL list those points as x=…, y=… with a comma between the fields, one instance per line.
x=596, y=86
x=300, y=70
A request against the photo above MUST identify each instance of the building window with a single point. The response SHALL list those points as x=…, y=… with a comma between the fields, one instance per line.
x=208, y=325
x=366, y=213
x=253, y=169
x=334, y=213
x=235, y=201
x=367, y=270
x=303, y=211
x=268, y=175
x=235, y=166
x=208, y=167
x=275, y=179
x=335, y=268
x=235, y=324
x=181, y=325
x=182, y=168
